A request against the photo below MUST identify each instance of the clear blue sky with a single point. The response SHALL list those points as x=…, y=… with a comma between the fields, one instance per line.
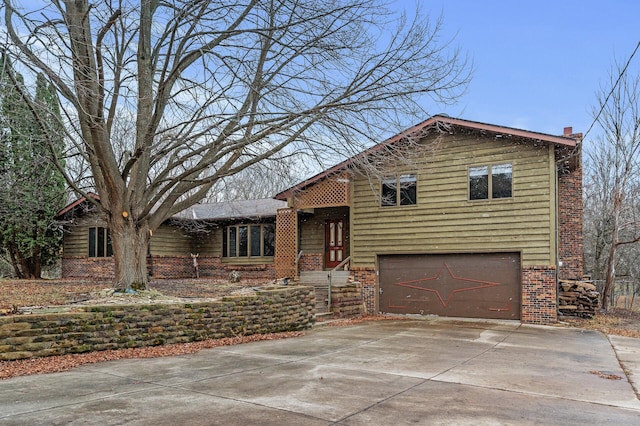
x=538, y=64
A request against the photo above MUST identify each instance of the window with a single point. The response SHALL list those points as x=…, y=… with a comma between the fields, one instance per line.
x=399, y=190
x=100, y=242
x=490, y=182
x=479, y=183
x=249, y=240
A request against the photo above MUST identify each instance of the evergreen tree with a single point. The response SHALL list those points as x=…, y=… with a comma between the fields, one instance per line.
x=31, y=187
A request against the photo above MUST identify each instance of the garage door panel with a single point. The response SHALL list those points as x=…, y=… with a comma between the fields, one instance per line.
x=459, y=285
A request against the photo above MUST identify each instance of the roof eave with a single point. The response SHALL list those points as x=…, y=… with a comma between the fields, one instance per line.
x=75, y=204
x=527, y=134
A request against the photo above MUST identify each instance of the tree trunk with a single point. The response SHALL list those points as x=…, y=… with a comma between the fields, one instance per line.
x=599, y=253
x=14, y=262
x=610, y=278
x=27, y=273
x=37, y=263
x=130, y=241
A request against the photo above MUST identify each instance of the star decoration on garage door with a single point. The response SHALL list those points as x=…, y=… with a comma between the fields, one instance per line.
x=445, y=281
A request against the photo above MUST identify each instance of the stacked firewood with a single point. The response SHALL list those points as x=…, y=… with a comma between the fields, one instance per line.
x=578, y=298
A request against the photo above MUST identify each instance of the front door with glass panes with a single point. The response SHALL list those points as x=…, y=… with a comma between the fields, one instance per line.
x=334, y=242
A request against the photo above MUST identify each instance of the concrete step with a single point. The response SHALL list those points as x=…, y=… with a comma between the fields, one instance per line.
x=322, y=299
x=323, y=316
x=321, y=278
x=320, y=282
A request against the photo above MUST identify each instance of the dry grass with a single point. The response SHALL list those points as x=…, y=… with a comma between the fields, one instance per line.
x=19, y=293
x=619, y=322
x=15, y=294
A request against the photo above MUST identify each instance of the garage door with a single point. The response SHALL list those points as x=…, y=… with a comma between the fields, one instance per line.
x=453, y=285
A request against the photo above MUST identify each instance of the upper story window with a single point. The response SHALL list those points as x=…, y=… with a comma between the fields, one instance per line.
x=490, y=182
x=399, y=190
x=100, y=242
x=249, y=240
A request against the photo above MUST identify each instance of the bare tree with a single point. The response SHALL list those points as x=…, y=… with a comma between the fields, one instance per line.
x=215, y=87
x=262, y=180
x=612, y=196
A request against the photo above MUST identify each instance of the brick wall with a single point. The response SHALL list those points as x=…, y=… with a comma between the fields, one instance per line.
x=367, y=277
x=570, y=241
x=209, y=267
x=310, y=262
x=95, y=328
x=172, y=267
x=165, y=267
x=101, y=268
x=539, y=295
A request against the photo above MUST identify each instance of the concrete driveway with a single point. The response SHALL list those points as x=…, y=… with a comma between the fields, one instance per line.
x=417, y=371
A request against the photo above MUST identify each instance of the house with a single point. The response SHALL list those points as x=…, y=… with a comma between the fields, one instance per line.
x=471, y=220
x=229, y=236
x=451, y=217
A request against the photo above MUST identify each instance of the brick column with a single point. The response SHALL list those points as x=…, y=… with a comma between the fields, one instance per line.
x=366, y=275
x=570, y=238
x=539, y=295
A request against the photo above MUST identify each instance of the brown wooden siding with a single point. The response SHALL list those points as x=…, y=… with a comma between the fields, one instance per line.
x=166, y=241
x=76, y=237
x=170, y=241
x=209, y=244
x=445, y=221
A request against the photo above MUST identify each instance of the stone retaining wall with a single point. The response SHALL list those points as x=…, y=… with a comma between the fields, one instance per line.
x=95, y=328
x=346, y=300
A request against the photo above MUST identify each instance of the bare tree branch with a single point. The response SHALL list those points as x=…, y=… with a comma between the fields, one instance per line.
x=614, y=178
x=215, y=87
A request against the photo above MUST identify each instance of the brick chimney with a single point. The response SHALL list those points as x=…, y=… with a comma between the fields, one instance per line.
x=568, y=133
x=570, y=222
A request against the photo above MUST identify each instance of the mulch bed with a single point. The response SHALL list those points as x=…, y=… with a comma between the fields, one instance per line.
x=53, y=364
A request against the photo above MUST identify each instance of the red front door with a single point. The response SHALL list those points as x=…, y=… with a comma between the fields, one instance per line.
x=334, y=242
